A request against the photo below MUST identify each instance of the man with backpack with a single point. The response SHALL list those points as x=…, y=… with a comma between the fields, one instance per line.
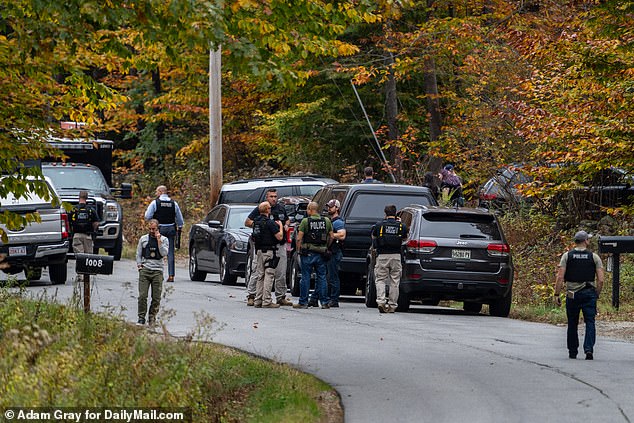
x=387, y=237
x=267, y=233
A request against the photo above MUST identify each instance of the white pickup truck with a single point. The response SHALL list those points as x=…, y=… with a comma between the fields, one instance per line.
x=39, y=244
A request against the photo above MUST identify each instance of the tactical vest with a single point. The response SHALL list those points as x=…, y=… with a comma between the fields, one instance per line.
x=151, y=250
x=336, y=244
x=80, y=219
x=390, y=235
x=317, y=233
x=580, y=266
x=165, y=211
x=262, y=236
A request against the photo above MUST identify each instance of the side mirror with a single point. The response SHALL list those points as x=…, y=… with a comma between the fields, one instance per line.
x=125, y=191
x=214, y=224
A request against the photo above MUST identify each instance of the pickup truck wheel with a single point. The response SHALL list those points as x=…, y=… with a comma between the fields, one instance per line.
x=226, y=278
x=33, y=273
x=296, y=276
x=472, y=307
x=502, y=306
x=118, y=247
x=58, y=273
x=370, y=290
x=194, y=273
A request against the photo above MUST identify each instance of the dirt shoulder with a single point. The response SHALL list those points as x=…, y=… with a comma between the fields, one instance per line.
x=616, y=330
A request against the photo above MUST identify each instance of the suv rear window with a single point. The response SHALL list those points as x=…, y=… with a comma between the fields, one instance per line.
x=371, y=206
x=459, y=226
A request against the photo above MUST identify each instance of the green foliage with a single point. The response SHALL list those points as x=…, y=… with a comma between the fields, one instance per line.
x=58, y=356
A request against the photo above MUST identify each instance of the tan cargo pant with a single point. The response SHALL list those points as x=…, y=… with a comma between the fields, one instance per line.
x=388, y=268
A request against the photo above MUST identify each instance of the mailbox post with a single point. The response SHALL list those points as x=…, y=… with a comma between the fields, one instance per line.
x=616, y=245
x=92, y=264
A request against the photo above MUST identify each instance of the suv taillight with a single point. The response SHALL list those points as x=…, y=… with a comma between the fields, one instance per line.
x=289, y=234
x=65, y=225
x=488, y=197
x=421, y=246
x=498, y=250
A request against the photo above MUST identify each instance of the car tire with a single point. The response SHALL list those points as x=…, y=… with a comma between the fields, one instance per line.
x=247, y=270
x=370, y=289
x=226, y=278
x=296, y=277
x=58, y=273
x=33, y=273
x=472, y=307
x=404, y=301
x=194, y=273
x=502, y=306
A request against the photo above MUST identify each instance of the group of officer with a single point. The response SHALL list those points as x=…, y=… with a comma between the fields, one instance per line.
x=164, y=223
x=319, y=243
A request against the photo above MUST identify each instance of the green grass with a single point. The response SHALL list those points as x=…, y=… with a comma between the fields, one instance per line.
x=55, y=355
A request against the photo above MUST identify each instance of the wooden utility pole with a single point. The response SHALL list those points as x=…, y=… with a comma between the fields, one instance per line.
x=215, y=126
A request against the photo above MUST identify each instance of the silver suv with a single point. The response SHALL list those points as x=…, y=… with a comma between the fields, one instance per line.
x=254, y=190
x=38, y=244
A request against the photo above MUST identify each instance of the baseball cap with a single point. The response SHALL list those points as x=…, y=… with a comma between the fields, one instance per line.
x=582, y=236
x=449, y=167
x=334, y=203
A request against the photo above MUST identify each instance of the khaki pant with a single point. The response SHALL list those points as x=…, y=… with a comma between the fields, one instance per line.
x=82, y=244
x=388, y=268
x=264, y=283
x=149, y=278
x=280, y=273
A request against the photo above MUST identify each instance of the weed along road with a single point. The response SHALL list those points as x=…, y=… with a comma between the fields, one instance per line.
x=428, y=365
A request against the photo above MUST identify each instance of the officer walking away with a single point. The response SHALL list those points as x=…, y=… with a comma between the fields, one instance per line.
x=84, y=223
x=277, y=213
x=170, y=219
x=313, y=236
x=368, y=173
x=266, y=234
x=332, y=265
x=151, y=249
x=582, y=272
x=387, y=237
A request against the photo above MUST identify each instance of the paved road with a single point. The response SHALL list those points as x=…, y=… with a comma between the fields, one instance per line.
x=429, y=365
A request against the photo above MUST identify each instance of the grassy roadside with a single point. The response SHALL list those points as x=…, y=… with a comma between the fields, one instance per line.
x=54, y=355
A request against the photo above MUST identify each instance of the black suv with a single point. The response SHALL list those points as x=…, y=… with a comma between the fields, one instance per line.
x=362, y=205
x=452, y=254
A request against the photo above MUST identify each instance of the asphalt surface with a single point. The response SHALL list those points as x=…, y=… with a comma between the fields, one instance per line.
x=429, y=365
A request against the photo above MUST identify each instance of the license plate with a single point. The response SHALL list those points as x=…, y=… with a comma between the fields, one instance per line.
x=461, y=254
x=17, y=251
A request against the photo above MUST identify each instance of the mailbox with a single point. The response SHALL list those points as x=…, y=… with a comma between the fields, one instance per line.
x=616, y=244
x=93, y=264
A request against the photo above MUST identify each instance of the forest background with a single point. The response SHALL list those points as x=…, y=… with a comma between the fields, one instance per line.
x=478, y=83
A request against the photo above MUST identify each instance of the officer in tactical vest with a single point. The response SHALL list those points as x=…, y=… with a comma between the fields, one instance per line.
x=267, y=234
x=578, y=269
x=313, y=238
x=387, y=237
x=84, y=222
x=278, y=213
x=170, y=219
x=151, y=249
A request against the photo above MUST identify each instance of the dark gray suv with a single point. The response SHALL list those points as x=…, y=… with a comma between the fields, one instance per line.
x=452, y=254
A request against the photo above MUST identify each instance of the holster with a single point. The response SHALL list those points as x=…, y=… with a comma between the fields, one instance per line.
x=272, y=262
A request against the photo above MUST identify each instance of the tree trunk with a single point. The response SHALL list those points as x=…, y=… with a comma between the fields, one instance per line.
x=391, y=111
x=433, y=109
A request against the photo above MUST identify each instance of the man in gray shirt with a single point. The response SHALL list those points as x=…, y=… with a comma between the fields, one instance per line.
x=150, y=251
